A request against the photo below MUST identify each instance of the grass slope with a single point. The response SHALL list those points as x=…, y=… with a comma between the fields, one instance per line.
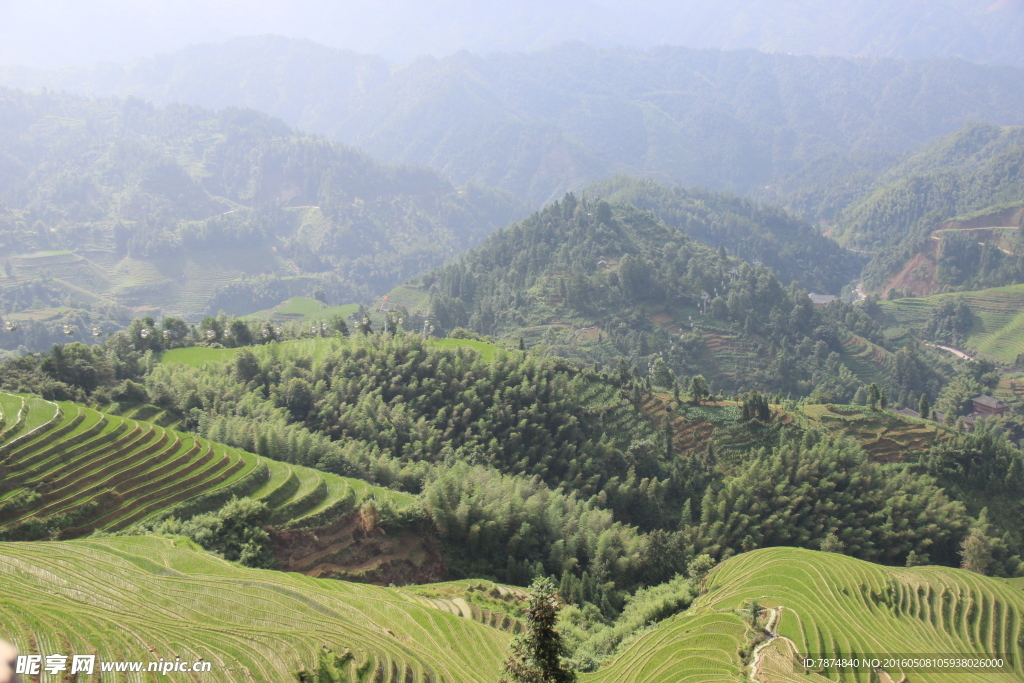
x=304, y=309
x=70, y=469
x=143, y=598
x=998, y=329
x=830, y=604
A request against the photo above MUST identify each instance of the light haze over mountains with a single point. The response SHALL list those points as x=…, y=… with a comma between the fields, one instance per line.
x=53, y=33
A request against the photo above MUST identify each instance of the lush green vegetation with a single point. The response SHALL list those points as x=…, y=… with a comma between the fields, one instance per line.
x=622, y=391
x=792, y=248
x=922, y=216
x=602, y=283
x=529, y=464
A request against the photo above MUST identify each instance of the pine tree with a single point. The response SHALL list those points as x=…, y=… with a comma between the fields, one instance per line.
x=537, y=654
x=874, y=395
x=698, y=388
x=975, y=553
x=710, y=459
x=754, y=612
x=915, y=560
x=686, y=515
x=832, y=544
x=923, y=406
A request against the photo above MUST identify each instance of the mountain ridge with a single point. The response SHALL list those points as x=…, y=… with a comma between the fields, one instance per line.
x=685, y=115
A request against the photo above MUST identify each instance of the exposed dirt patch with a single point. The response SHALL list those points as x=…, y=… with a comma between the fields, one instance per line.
x=918, y=276
x=349, y=549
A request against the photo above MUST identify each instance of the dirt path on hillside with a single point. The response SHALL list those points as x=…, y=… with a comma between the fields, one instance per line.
x=774, y=616
x=761, y=671
x=955, y=352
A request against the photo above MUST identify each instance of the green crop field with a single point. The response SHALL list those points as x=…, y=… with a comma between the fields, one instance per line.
x=832, y=605
x=483, y=348
x=196, y=356
x=66, y=469
x=998, y=330
x=146, y=598
x=304, y=309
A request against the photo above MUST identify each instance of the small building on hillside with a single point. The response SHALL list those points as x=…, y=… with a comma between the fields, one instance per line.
x=986, y=405
x=908, y=412
x=822, y=299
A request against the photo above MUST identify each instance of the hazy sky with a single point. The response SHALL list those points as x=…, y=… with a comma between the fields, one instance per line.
x=49, y=33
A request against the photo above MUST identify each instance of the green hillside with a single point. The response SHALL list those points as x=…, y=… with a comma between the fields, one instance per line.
x=793, y=248
x=832, y=606
x=66, y=469
x=735, y=119
x=249, y=624
x=318, y=348
x=304, y=309
x=183, y=211
x=609, y=281
x=996, y=328
x=272, y=624
x=971, y=169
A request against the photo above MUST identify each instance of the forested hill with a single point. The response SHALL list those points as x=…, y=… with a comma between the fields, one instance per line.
x=791, y=247
x=974, y=168
x=543, y=122
x=608, y=282
x=161, y=206
x=974, y=175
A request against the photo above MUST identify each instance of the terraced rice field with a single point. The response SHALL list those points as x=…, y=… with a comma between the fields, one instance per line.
x=885, y=436
x=144, y=598
x=865, y=360
x=68, y=469
x=731, y=352
x=833, y=606
x=178, y=286
x=700, y=647
x=79, y=273
x=842, y=607
x=998, y=330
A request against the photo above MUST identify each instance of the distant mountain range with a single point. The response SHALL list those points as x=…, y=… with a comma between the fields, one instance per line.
x=178, y=209
x=541, y=123
x=984, y=31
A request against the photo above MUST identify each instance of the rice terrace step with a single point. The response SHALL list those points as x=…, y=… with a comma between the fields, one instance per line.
x=68, y=469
